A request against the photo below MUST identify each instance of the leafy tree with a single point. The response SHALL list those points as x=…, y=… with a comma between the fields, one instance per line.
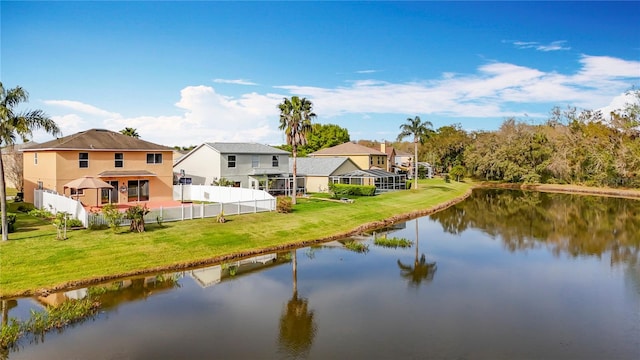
x=457, y=171
x=447, y=146
x=321, y=136
x=13, y=124
x=295, y=119
x=420, y=132
x=130, y=132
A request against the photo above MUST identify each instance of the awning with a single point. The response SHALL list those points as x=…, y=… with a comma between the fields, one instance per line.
x=126, y=173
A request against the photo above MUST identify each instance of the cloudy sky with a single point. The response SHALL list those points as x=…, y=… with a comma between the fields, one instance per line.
x=185, y=73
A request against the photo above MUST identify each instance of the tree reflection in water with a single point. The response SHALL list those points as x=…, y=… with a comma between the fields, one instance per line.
x=421, y=269
x=576, y=225
x=297, y=325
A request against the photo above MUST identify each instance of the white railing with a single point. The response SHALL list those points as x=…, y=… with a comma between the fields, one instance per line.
x=54, y=202
x=215, y=200
x=218, y=194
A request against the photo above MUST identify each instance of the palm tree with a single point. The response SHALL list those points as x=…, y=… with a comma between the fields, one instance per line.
x=295, y=119
x=420, y=131
x=13, y=124
x=130, y=132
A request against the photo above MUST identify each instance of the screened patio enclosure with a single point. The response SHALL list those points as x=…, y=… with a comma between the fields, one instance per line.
x=382, y=180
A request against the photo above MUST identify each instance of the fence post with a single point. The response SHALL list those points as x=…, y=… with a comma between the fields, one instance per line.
x=221, y=208
x=160, y=211
x=239, y=208
x=255, y=205
x=201, y=210
x=182, y=211
x=191, y=217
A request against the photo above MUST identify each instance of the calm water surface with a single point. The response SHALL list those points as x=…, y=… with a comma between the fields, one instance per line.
x=504, y=275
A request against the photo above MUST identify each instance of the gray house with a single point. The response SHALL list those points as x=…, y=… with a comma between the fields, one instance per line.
x=247, y=165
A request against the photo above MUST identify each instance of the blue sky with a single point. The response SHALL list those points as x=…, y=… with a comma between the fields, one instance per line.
x=183, y=73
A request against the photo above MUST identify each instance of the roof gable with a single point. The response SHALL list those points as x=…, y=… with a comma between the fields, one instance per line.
x=98, y=139
x=346, y=149
x=321, y=166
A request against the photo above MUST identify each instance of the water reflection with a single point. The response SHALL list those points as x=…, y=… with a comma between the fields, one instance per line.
x=575, y=225
x=297, y=325
x=421, y=269
x=512, y=290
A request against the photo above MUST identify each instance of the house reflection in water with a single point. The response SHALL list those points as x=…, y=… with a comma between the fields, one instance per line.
x=212, y=275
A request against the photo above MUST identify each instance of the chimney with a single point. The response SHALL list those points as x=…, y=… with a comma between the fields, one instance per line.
x=383, y=147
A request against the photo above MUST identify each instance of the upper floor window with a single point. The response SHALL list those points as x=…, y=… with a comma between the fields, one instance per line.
x=154, y=158
x=274, y=161
x=231, y=161
x=255, y=161
x=83, y=159
x=119, y=160
x=35, y=158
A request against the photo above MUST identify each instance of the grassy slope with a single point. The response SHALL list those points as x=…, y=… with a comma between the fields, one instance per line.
x=33, y=259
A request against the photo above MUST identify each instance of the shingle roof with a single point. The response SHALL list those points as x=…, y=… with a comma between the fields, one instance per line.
x=245, y=148
x=347, y=148
x=98, y=139
x=318, y=166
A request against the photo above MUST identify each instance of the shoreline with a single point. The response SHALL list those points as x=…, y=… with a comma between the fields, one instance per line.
x=238, y=256
x=183, y=266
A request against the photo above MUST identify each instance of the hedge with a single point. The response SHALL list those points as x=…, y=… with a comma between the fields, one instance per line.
x=340, y=190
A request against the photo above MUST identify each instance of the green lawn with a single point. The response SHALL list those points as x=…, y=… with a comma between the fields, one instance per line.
x=33, y=259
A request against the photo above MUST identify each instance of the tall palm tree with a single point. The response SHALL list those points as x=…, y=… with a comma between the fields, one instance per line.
x=420, y=132
x=130, y=132
x=12, y=125
x=295, y=119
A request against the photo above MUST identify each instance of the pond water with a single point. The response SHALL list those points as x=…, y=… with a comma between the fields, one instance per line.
x=503, y=275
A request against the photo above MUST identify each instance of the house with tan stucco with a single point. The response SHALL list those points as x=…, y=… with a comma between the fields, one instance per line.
x=137, y=170
x=364, y=157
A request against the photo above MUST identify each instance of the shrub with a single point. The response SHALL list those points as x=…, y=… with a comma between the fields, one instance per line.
x=136, y=215
x=342, y=190
x=41, y=213
x=25, y=207
x=113, y=216
x=74, y=223
x=11, y=221
x=283, y=204
x=60, y=222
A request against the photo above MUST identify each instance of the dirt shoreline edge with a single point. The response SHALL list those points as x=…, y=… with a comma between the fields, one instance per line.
x=237, y=256
x=631, y=194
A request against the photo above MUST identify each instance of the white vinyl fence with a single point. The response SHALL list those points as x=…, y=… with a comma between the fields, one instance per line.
x=213, y=201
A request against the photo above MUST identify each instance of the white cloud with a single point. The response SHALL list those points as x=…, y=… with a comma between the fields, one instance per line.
x=367, y=71
x=552, y=46
x=234, y=81
x=495, y=91
x=81, y=107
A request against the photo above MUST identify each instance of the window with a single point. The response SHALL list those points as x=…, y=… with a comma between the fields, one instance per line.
x=255, y=161
x=274, y=161
x=119, y=160
x=231, y=161
x=78, y=192
x=83, y=159
x=35, y=158
x=154, y=158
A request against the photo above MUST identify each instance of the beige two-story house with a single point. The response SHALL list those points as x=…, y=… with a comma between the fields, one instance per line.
x=364, y=157
x=138, y=170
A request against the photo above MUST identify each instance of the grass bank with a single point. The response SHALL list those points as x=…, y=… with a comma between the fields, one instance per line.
x=33, y=261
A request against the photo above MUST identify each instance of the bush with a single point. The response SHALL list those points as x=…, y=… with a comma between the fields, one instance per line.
x=11, y=221
x=41, y=213
x=136, y=215
x=342, y=190
x=113, y=216
x=283, y=204
x=24, y=207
